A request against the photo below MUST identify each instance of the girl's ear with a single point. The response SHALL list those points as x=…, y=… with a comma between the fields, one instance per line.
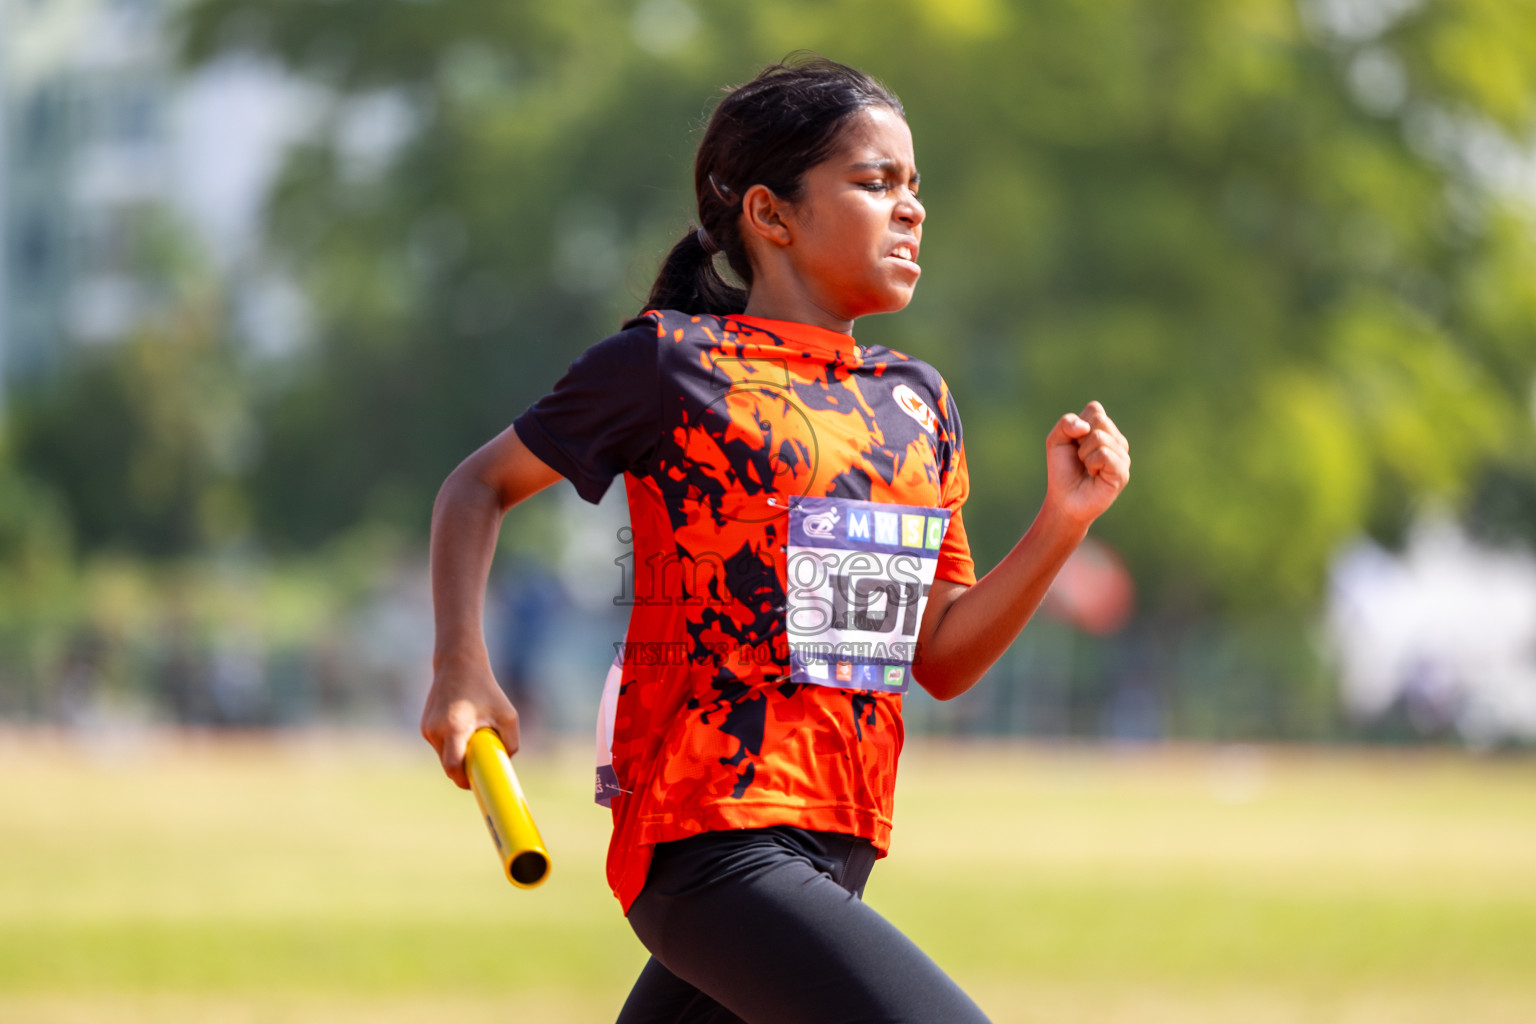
x=765, y=216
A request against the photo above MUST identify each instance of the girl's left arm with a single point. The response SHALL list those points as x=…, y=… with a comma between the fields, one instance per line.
x=965, y=629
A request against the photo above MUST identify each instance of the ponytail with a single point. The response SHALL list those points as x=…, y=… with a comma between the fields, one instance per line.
x=688, y=281
x=769, y=131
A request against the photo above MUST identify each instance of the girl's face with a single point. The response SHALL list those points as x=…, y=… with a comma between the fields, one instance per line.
x=853, y=235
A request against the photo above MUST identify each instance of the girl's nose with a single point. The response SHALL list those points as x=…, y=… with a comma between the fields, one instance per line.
x=910, y=209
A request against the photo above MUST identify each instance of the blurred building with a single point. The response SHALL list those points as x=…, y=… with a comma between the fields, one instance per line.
x=86, y=164
x=108, y=153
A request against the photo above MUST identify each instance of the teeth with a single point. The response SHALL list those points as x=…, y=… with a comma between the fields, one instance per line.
x=904, y=252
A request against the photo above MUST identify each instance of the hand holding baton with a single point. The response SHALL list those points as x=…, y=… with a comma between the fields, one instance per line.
x=518, y=843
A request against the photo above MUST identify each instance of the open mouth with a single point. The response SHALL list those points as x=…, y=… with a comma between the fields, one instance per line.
x=906, y=253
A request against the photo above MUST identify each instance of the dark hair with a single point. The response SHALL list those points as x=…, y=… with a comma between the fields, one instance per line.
x=767, y=132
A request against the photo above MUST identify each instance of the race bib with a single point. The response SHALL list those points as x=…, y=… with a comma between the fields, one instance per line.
x=857, y=578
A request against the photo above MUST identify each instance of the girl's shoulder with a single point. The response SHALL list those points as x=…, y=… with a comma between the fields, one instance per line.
x=693, y=331
x=901, y=368
x=663, y=321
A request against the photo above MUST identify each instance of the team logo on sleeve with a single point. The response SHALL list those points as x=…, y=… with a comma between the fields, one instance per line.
x=913, y=406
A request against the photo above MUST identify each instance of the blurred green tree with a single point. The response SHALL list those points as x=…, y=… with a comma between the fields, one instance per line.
x=1279, y=242
x=145, y=442
x=35, y=580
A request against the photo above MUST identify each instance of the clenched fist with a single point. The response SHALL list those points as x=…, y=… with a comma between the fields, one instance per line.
x=1087, y=463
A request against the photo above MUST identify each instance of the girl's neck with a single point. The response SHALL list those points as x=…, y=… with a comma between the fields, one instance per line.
x=770, y=303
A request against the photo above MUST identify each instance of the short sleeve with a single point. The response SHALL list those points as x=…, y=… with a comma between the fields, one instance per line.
x=955, y=563
x=604, y=416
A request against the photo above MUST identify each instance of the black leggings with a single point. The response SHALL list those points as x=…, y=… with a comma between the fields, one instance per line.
x=766, y=926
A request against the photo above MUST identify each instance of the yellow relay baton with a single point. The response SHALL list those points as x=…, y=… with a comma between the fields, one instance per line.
x=502, y=804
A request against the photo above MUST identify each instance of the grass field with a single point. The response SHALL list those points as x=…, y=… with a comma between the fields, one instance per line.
x=342, y=879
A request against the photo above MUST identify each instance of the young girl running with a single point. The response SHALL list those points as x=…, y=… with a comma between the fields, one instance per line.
x=800, y=559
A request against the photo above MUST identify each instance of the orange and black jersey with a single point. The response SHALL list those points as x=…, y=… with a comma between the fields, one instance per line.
x=792, y=497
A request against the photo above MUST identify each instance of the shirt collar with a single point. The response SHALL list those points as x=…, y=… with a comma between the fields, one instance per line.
x=817, y=340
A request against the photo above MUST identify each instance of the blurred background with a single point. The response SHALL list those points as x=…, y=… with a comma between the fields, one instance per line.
x=270, y=270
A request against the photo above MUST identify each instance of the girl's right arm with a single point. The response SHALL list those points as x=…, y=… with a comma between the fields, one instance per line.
x=466, y=520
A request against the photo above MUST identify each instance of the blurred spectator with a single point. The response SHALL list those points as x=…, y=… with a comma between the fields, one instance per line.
x=79, y=688
x=180, y=674
x=531, y=600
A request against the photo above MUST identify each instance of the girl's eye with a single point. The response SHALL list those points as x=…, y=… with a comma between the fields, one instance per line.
x=882, y=186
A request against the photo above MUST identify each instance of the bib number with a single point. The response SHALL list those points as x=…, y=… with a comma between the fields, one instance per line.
x=858, y=575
